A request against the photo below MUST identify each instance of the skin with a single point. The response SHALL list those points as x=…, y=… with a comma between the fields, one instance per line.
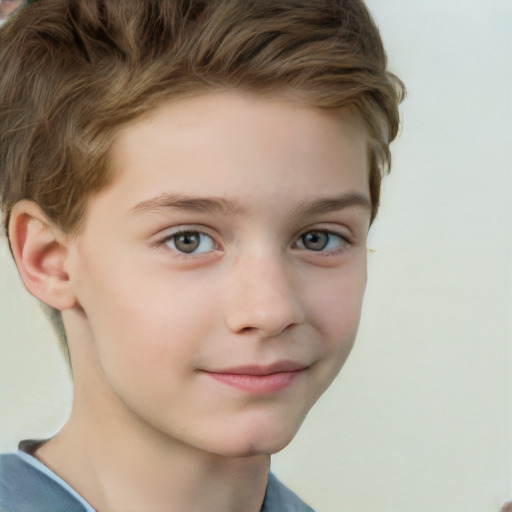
x=148, y=325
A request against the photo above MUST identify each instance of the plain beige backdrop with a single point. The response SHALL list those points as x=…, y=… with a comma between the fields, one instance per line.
x=421, y=417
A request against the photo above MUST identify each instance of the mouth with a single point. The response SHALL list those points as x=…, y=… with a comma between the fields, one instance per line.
x=260, y=379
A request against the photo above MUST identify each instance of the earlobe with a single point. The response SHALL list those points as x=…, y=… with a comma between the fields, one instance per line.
x=40, y=251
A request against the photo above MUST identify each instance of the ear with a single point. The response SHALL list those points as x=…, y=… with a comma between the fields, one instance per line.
x=40, y=250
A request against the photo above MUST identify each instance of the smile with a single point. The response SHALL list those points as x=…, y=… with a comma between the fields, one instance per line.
x=259, y=379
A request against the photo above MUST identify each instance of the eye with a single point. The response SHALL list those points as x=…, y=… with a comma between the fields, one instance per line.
x=320, y=241
x=190, y=242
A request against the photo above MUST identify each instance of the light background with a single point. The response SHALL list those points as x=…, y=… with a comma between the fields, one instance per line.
x=421, y=417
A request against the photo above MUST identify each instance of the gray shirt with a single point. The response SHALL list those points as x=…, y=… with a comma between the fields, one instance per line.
x=27, y=485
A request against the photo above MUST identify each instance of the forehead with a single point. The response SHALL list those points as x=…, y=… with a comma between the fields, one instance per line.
x=240, y=146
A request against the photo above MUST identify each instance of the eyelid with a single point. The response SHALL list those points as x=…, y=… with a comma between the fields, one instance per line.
x=169, y=233
x=346, y=240
x=346, y=237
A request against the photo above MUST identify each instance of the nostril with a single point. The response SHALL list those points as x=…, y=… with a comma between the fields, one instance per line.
x=248, y=330
x=264, y=331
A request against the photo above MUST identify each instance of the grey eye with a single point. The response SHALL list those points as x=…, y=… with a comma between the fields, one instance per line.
x=315, y=240
x=190, y=242
x=187, y=242
x=321, y=241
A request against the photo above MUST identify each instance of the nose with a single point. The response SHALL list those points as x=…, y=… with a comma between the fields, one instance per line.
x=263, y=298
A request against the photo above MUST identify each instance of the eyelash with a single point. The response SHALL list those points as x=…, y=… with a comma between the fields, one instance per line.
x=185, y=232
x=344, y=242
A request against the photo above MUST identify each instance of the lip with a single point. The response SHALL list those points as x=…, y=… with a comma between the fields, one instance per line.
x=260, y=379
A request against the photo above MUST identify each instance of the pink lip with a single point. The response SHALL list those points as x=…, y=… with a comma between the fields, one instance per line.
x=260, y=379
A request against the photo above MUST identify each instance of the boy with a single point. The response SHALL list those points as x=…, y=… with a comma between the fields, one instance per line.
x=189, y=185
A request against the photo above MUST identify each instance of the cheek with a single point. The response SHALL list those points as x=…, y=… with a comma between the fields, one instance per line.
x=140, y=316
x=337, y=304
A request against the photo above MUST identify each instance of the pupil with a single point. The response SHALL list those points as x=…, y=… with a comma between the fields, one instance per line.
x=187, y=242
x=315, y=240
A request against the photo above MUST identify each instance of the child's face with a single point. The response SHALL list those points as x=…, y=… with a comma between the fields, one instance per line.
x=182, y=332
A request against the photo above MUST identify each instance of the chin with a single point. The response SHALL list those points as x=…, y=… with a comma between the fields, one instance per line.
x=251, y=449
x=259, y=448
x=257, y=440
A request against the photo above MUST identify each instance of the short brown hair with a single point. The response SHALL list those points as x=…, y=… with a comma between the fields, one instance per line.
x=72, y=72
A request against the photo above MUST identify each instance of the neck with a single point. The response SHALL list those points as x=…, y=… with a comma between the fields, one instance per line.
x=116, y=471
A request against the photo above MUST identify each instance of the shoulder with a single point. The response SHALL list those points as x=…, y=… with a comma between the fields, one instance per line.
x=279, y=498
x=24, y=488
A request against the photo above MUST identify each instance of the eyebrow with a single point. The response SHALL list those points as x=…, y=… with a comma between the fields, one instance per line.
x=233, y=208
x=169, y=200
x=331, y=204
